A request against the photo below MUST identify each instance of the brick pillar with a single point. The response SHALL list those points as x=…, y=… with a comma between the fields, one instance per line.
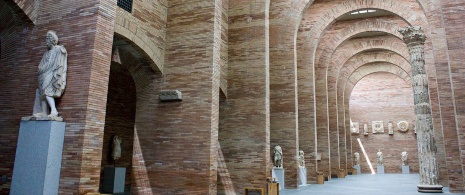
x=415, y=38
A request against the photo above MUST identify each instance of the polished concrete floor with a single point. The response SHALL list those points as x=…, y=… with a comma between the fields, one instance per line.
x=364, y=184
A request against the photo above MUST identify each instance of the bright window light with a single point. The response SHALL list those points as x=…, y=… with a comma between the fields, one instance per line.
x=353, y=13
x=371, y=10
x=366, y=156
x=363, y=11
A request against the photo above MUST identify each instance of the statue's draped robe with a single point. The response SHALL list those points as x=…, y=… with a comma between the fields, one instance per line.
x=52, y=72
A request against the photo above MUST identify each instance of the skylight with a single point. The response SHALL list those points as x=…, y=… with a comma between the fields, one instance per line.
x=363, y=11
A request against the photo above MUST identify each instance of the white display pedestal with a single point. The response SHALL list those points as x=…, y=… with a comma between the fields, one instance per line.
x=38, y=158
x=380, y=169
x=358, y=169
x=302, y=176
x=113, y=179
x=405, y=169
x=278, y=173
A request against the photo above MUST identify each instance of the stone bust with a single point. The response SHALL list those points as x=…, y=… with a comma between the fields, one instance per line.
x=278, y=156
x=51, y=78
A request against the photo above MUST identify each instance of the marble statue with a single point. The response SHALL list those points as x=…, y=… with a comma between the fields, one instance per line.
x=404, y=158
x=116, y=153
x=356, y=158
x=379, y=155
x=278, y=156
x=51, y=78
x=301, y=158
x=365, y=129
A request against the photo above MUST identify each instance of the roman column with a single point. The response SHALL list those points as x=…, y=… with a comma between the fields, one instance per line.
x=414, y=37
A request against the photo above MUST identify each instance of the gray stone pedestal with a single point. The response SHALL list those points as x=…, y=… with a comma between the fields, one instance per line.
x=358, y=169
x=278, y=173
x=113, y=179
x=380, y=169
x=38, y=158
x=302, y=176
x=405, y=169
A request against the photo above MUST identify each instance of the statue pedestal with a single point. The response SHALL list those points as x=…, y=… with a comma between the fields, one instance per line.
x=278, y=173
x=302, y=176
x=38, y=158
x=405, y=169
x=358, y=169
x=113, y=179
x=380, y=169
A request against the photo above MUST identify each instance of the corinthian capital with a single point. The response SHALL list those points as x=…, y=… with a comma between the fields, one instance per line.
x=413, y=35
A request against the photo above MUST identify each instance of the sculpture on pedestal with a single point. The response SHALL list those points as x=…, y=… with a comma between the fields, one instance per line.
x=404, y=157
x=51, y=78
x=379, y=155
x=278, y=156
x=356, y=158
x=301, y=158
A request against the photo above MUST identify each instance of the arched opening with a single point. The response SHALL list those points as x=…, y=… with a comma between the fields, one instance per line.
x=119, y=122
x=384, y=97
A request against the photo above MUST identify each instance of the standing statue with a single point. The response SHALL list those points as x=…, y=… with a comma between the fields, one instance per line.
x=278, y=156
x=379, y=154
x=51, y=78
x=301, y=158
x=116, y=153
x=404, y=158
x=356, y=158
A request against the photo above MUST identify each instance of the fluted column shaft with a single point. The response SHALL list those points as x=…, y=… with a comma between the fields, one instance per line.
x=415, y=38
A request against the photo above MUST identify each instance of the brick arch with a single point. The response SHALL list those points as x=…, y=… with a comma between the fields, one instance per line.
x=363, y=72
x=332, y=41
x=147, y=46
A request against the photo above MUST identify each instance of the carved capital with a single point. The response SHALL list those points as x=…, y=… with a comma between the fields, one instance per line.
x=413, y=35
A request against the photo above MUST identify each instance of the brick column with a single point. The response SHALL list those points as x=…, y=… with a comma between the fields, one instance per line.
x=415, y=38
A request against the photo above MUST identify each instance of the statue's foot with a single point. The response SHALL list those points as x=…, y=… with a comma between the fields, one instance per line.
x=40, y=114
x=53, y=114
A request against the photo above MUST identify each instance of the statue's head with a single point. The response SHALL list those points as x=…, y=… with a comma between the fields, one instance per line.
x=51, y=38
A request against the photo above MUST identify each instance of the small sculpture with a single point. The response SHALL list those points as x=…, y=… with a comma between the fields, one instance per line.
x=403, y=126
x=51, y=78
x=404, y=158
x=278, y=156
x=301, y=158
x=356, y=158
x=390, y=129
x=379, y=154
x=116, y=153
x=365, y=129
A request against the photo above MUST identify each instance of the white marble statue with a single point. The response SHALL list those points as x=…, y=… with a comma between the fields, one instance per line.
x=116, y=152
x=379, y=155
x=51, y=78
x=356, y=158
x=301, y=158
x=404, y=158
x=278, y=156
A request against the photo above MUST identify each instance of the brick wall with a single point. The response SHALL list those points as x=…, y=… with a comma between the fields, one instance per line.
x=388, y=98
